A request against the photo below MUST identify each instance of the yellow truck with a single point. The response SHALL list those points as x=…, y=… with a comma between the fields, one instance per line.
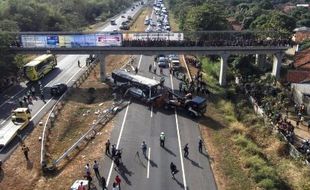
x=19, y=120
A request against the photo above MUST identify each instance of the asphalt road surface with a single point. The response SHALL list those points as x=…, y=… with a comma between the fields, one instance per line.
x=139, y=123
x=67, y=71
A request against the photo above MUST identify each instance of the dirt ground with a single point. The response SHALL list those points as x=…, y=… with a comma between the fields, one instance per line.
x=29, y=173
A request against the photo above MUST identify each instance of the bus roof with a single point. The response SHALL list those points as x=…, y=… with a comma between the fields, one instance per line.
x=37, y=60
x=136, y=78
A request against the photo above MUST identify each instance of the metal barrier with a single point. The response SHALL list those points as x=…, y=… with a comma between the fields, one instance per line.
x=103, y=118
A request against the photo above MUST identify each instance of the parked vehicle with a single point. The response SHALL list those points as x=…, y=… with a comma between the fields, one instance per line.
x=40, y=66
x=58, y=89
x=19, y=120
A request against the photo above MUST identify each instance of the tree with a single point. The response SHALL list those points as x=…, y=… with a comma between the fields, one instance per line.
x=205, y=17
x=274, y=21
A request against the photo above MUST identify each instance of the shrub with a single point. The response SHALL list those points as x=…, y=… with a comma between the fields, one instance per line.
x=254, y=162
x=241, y=141
x=267, y=184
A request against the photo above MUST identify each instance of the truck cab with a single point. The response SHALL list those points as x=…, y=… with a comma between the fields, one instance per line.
x=196, y=106
x=20, y=115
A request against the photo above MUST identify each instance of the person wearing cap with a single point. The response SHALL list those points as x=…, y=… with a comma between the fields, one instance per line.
x=162, y=139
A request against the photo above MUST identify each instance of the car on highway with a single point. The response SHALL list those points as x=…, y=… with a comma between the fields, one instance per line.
x=129, y=17
x=162, y=62
x=123, y=16
x=136, y=93
x=58, y=89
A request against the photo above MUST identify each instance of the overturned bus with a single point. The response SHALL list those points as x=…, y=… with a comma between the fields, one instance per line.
x=148, y=86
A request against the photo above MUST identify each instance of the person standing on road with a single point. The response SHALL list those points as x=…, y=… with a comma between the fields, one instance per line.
x=103, y=183
x=186, y=150
x=200, y=143
x=173, y=169
x=21, y=103
x=118, y=181
x=155, y=69
x=150, y=67
x=79, y=64
x=25, y=150
x=144, y=148
x=162, y=139
x=89, y=179
x=87, y=170
x=107, y=147
x=136, y=70
x=113, y=151
x=96, y=169
x=33, y=91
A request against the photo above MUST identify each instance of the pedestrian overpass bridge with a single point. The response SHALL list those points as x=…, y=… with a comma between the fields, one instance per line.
x=222, y=43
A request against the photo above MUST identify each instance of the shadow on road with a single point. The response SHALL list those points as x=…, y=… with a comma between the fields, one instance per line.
x=194, y=163
x=179, y=183
x=29, y=164
x=123, y=171
x=169, y=151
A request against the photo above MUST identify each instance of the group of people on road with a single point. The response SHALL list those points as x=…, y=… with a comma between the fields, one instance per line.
x=88, y=176
x=114, y=153
x=30, y=95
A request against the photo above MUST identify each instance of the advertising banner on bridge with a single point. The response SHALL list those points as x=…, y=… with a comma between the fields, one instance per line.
x=171, y=36
x=71, y=41
x=33, y=41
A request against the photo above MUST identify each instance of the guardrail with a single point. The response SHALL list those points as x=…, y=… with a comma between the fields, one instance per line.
x=103, y=118
x=55, y=110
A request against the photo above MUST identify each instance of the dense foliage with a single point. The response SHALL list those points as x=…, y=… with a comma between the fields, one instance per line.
x=49, y=15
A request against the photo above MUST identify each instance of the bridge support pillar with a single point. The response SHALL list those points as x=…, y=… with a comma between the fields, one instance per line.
x=260, y=60
x=223, y=70
x=101, y=58
x=277, y=61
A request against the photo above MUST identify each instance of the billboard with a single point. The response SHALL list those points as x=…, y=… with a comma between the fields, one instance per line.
x=71, y=41
x=169, y=36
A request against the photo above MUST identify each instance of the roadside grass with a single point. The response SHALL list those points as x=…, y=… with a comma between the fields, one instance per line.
x=139, y=26
x=248, y=155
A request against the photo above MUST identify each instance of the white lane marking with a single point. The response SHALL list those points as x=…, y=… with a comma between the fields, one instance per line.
x=179, y=140
x=117, y=144
x=151, y=111
x=139, y=61
x=148, y=164
x=47, y=101
x=11, y=98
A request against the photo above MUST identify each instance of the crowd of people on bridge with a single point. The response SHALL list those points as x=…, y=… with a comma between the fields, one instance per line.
x=206, y=43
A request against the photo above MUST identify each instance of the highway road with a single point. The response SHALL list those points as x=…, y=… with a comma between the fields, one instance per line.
x=67, y=71
x=138, y=123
